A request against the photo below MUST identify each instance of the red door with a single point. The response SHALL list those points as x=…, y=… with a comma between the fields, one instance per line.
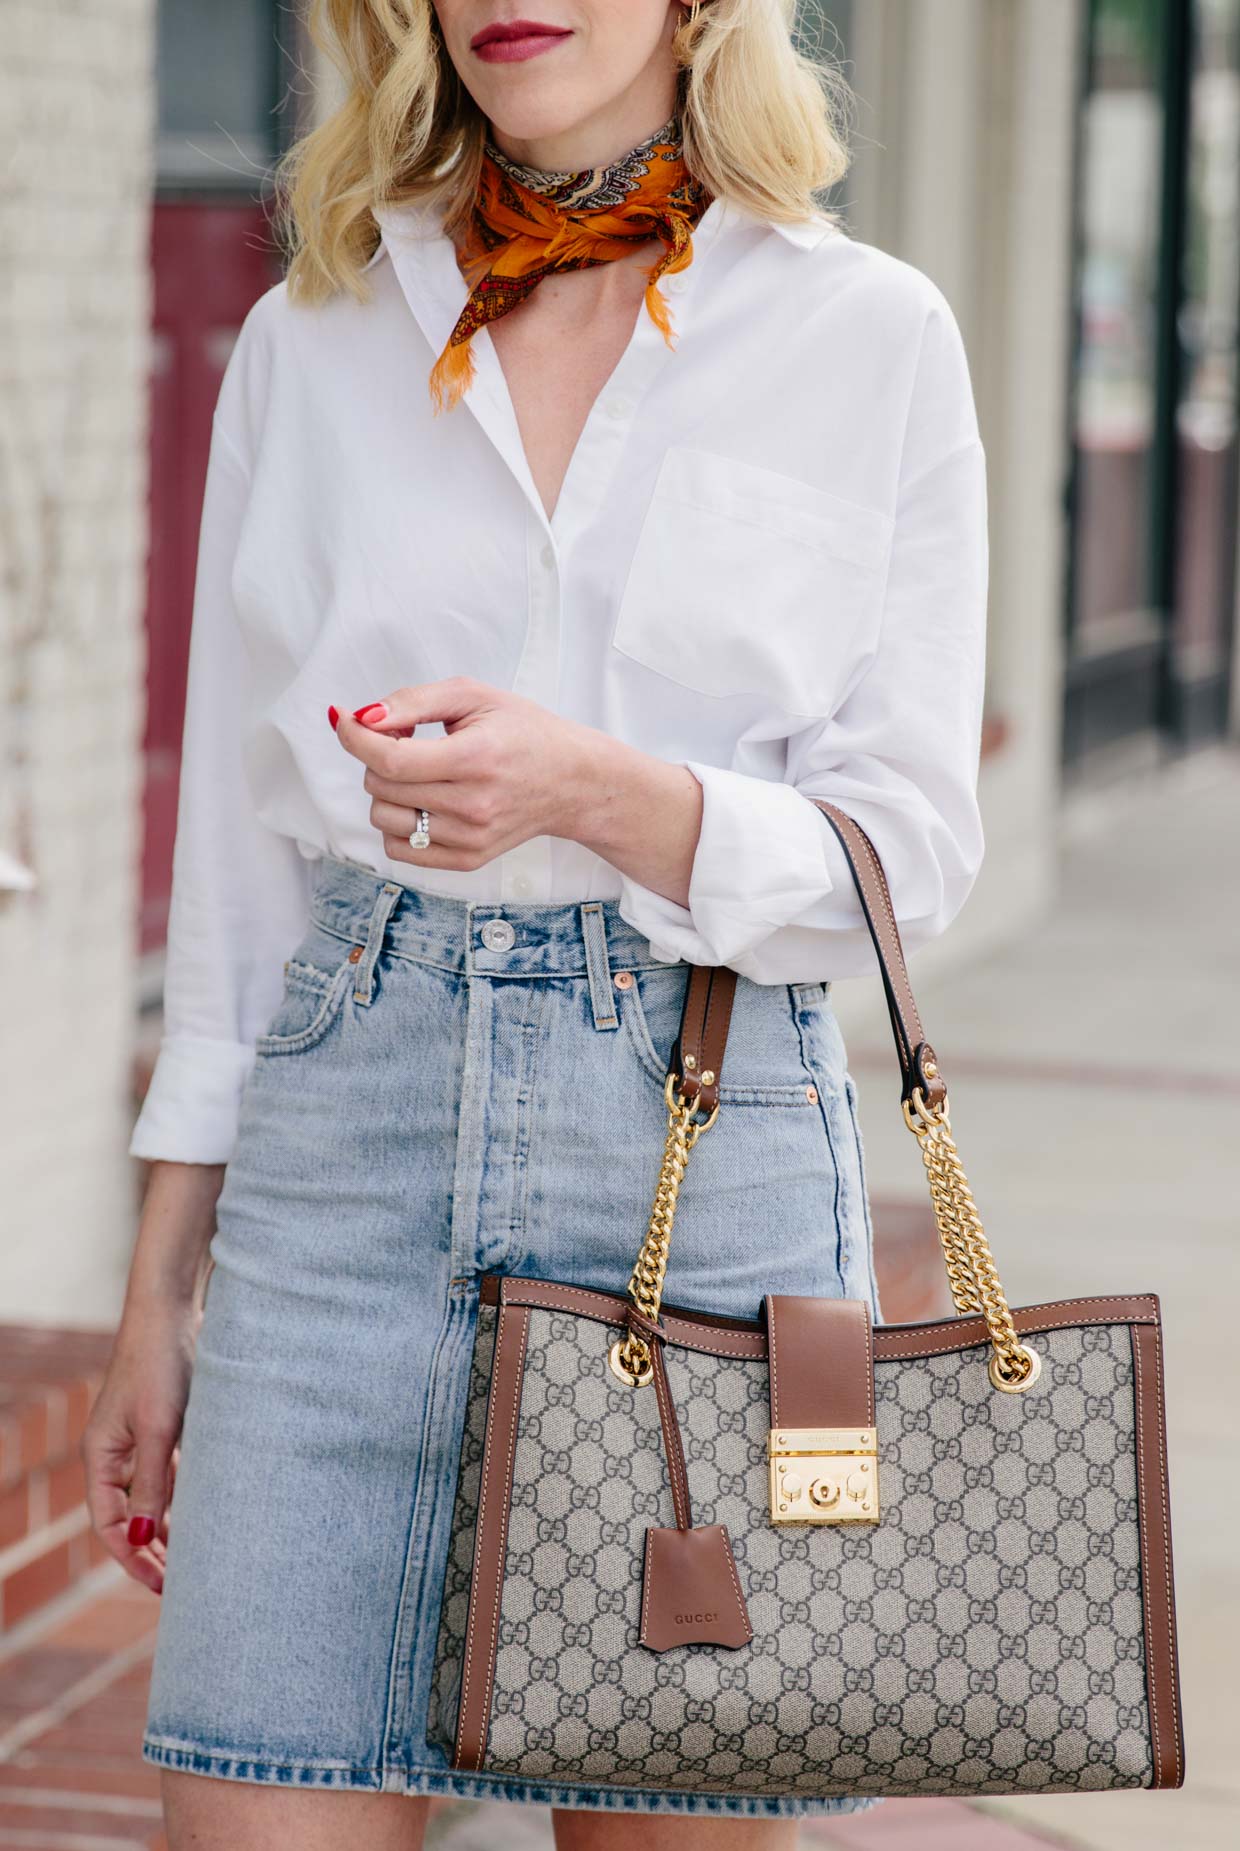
x=211, y=260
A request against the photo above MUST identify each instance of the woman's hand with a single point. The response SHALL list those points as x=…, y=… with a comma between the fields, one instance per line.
x=129, y=1447
x=507, y=770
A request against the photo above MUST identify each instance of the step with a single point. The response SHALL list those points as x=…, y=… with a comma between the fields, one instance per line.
x=49, y=1379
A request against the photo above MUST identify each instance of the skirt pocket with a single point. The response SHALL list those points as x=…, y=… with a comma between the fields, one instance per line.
x=316, y=978
x=764, y=1060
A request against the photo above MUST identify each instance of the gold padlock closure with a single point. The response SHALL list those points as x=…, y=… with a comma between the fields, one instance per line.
x=823, y=1475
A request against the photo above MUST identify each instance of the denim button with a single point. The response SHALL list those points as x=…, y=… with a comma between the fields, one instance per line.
x=498, y=935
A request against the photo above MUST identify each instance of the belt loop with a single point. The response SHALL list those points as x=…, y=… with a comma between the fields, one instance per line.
x=381, y=912
x=598, y=967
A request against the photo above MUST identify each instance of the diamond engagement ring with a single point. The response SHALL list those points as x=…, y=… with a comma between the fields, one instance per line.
x=421, y=837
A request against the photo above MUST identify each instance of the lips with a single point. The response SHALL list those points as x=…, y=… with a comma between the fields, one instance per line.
x=514, y=29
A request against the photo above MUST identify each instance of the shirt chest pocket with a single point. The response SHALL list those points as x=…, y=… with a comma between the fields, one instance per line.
x=748, y=582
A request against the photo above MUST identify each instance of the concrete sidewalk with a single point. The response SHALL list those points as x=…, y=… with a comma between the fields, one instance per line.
x=1095, y=1098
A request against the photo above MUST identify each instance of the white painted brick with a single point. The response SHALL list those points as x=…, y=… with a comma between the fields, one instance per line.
x=76, y=113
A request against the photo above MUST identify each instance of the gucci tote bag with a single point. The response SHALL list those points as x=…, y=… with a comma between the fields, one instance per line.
x=924, y=1558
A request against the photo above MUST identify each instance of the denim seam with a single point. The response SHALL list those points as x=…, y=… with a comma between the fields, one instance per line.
x=386, y=901
x=315, y=1030
x=536, y=1039
x=400, y=1667
x=499, y=1787
x=598, y=966
x=849, y=1095
x=459, y=969
x=791, y=1098
x=803, y=1021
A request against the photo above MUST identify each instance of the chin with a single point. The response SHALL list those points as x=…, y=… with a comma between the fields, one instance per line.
x=531, y=117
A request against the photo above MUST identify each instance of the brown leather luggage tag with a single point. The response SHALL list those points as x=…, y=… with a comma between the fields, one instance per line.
x=691, y=1592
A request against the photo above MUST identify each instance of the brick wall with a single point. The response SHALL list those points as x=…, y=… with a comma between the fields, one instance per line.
x=76, y=103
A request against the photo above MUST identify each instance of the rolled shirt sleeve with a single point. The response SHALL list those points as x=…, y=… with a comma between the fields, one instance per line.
x=771, y=893
x=239, y=890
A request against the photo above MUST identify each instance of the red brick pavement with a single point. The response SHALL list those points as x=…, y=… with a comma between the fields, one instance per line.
x=72, y=1709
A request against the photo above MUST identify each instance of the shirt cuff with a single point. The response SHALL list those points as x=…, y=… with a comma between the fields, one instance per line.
x=192, y=1106
x=761, y=862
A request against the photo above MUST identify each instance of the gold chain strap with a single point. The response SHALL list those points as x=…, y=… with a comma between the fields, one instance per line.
x=630, y=1357
x=971, y=1269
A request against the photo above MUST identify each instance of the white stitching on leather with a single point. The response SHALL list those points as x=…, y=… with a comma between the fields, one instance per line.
x=1160, y=1430
x=869, y=1362
x=770, y=1319
x=1145, y=1591
x=975, y=1343
x=501, y=1563
x=744, y=1345
x=523, y=1318
x=1166, y=1503
x=736, y=1586
x=646, y=1580
x=667, y=1416
x=896, y=965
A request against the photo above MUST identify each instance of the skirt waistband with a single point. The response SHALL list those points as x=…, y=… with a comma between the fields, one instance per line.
x=496, y=938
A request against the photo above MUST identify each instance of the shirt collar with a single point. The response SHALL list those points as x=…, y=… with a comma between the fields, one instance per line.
x=805, y=234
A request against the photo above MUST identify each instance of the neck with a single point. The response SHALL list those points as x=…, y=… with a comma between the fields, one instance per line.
x=584, y=147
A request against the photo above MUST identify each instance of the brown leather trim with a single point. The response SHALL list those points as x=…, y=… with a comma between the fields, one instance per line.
x=716, y=1336
x=691, y=1593
x=867, y=871
x=822, y=1362
x=673, y=1451
x=491, y=1538
x=1154, y=1523
x=703, y=1034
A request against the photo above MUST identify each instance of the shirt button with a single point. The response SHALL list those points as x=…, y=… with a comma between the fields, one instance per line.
x=547, y=557
x=498, y=935
x=618, y=407
x=523, y=885
x=676, y=285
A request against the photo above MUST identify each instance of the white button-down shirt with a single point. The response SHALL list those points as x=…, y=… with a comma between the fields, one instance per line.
x=767, y=562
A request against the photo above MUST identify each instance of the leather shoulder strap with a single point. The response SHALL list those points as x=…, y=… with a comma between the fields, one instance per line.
x=697, y=1057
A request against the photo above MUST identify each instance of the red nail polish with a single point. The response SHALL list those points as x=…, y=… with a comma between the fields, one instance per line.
x=375, y=711
x=141, y=1530
x=333, y=714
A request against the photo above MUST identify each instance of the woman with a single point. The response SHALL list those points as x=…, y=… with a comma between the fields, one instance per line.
x=583, y=503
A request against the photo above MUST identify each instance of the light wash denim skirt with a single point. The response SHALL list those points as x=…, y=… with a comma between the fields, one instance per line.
x=446, y=1089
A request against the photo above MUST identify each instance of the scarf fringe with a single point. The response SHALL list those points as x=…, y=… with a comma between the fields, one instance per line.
x=452, y=375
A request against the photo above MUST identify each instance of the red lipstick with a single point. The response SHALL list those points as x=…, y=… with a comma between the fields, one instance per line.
x=511, y=40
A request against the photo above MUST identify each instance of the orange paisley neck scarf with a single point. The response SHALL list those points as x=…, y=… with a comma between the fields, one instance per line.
x=528, y=223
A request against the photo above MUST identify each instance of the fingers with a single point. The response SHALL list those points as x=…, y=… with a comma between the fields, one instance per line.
x=401, y=819
x=447, y=800
x=398, y=760
x=383, y=740
x=451, y=700
x=452, y=846
x=129, y=1475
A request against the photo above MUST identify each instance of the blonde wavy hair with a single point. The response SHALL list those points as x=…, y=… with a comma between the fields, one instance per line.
x=763, y=125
